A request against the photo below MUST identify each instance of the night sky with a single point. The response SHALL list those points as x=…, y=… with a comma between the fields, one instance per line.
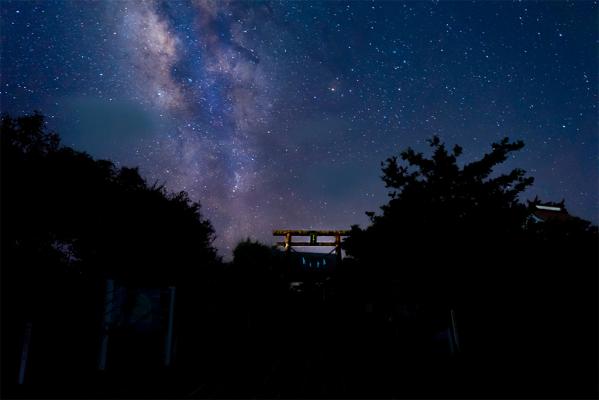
x=277, y=115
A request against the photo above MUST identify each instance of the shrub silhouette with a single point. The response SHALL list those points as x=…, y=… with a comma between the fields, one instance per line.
x=107, y=217
x=458, y=237
x=453, y=236
x=69, y=222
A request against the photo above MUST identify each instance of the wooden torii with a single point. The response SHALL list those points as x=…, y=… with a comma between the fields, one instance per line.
x=288, y=235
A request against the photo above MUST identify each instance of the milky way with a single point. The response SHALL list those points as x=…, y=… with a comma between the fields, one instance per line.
x=277, y=115
x=207, y=81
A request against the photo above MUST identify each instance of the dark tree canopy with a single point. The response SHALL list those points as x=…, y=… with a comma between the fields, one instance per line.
x=447, y=223
x=458, y=237
x=70, y=221
x=454, y=243
x=58, y=203
x=256, y=268
x=442, y=219
x=253, y=255
x=435, y=200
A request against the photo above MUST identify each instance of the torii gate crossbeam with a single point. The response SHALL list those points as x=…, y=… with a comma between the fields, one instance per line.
x=288, y=235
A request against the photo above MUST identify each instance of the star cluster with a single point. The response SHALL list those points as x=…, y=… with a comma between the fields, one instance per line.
x=278, y=114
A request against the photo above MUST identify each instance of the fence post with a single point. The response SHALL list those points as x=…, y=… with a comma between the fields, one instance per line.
x=108, y=311
x=168, y=354
x=25, y=352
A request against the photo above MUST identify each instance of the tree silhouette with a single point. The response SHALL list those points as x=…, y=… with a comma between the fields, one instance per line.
x=458, y=237
x=68, y=222
x=454, y=240
x=442, y=215
x=109, y=218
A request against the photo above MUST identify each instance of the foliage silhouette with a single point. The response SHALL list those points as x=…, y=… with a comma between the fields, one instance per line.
x=454, y=240
x=458, y=238
x=69, y=222
x=106, y=216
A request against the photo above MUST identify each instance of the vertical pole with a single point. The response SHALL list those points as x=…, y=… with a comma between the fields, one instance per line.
x=338, y=247
x=288, y=241
x=108, y=311
x=454, y=330
x=450, y=341
x=288, y=267
x=25, y=353
x=168, y=354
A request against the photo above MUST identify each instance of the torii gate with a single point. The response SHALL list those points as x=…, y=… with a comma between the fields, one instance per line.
x=288, y=243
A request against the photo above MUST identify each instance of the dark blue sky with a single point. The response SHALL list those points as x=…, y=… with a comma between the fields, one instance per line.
x=277, y=115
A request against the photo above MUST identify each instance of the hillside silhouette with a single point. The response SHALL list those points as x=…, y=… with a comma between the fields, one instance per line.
x=457, y=289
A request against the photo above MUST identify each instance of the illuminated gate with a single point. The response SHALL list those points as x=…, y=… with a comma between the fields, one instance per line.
x=288, y=242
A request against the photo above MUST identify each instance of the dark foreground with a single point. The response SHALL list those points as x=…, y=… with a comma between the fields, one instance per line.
x=313, y=345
